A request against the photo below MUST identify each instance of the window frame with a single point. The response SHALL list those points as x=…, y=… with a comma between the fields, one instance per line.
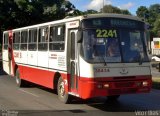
x=55, y=43
x=43, y=45
x=24, y=43
x=5, y=43
x=16, y=42
x=32, y=40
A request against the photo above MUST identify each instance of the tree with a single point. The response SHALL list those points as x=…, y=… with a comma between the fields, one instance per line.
x=110, y=9
x=156, y=28
x=154, y=11
x=19, y=13
x=151, y=16
x=142, y=12
x=90, y=11
x=113, y=9
x=125, y=12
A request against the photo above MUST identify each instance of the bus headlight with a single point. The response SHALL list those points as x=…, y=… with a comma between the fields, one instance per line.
x=106, y=85
x=145, y=83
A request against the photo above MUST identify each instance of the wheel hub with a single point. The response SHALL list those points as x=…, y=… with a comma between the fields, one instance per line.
x=61, y=89
x=17, y=80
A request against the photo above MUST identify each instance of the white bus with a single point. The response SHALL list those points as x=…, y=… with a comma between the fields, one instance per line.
x=85, y=56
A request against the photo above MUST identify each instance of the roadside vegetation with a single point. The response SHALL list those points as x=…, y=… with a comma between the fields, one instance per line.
x=156, y=82
x=20, y=13
x=156, y=79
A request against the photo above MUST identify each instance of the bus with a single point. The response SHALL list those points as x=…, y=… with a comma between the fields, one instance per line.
x=98, y=55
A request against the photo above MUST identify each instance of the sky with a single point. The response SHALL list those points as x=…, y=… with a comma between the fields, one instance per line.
x=130, y=5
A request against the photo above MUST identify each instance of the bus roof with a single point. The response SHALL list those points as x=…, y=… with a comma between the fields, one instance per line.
x=112, y=15
x=68, y=19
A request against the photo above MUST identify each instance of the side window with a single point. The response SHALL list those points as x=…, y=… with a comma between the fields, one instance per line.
x=73, y=46
x=32, y=44
x=24, y=37
x=5, y=41
x=43, y=39
x=16, y=40
x=56, y=39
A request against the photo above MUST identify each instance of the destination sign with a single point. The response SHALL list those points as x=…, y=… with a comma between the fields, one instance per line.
x=112, y=23
x=123, y=23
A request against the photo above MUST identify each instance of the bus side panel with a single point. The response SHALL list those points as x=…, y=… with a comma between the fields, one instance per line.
x=32, y=58
x=5, y=61
x=39, y=76
x=23, y=57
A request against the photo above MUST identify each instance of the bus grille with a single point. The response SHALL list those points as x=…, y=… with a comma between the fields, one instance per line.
x=124, y=84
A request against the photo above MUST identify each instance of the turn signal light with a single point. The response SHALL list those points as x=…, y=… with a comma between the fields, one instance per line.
x=99, y=86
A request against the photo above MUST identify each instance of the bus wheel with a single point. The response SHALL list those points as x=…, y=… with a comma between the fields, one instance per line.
x=113, y=98
x=62, y=95
x=19, y=81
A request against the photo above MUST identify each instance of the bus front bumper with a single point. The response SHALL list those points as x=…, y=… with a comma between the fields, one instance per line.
x=109, y=86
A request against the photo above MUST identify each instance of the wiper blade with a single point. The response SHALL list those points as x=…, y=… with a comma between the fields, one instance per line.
x=103, y=57
x=140, y=59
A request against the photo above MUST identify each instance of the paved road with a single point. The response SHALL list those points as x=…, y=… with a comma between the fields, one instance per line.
x=155, y=72
x=37, y=101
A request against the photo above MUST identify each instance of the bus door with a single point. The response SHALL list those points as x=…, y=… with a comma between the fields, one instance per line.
x=73, y=64
x=10, y=51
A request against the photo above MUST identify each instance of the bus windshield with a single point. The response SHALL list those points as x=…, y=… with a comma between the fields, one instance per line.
x=114, y=44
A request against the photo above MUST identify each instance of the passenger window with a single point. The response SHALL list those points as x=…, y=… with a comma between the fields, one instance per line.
x=24, y=38
x=43, y=39
x=56, y=38
x=32, y=44
x=16, y=40
x=6, y=37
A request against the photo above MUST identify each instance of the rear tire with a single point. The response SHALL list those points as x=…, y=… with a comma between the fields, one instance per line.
x=62, y=94
x=113, y=98
x=19, y=81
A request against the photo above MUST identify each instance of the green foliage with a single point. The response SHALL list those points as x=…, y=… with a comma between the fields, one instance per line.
x=110, y=9
x=90, y=12
x=152, y=16
x=156, y=28
x=19, y=13
x=113, y=9
x=142, y=11
x=125, y=12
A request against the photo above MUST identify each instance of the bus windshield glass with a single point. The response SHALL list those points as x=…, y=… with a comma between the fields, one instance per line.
x=113, y=40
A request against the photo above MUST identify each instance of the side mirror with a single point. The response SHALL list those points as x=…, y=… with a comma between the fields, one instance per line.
x=79, y=36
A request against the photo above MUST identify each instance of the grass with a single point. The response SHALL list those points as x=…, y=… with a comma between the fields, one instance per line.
x=156, y=82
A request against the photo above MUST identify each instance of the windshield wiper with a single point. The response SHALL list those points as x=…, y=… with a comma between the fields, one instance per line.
x=140, y=59
x=103, y=57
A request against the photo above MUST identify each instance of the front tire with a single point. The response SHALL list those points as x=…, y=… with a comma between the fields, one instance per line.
x=62, y=94
x=19, y=81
